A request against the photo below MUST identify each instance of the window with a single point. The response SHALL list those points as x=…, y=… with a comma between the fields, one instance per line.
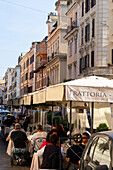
x=93, y=27
x=97, y=153
x=93, y=3
x=70, y=72
x=75, y=45
x=86, y=61
x=71, y=21
x=92, y=59
x=15, y=74
x=87, y=33
x=58, y=46
x=102, y=152
x=87, y=5
x=26, y=76
x=32, y=59
x=31, y=75
x=75, y=71
x=24, y=65
x=76, y=18
x=70, y=48
x=82, y=36
x=81, y=64
x=82, y=9
x=27, y=63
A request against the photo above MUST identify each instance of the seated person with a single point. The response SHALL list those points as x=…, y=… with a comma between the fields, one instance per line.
x=47, y=141
x=50, y=154
x=74, y=153
x=12, y=130
x=84, y=135
x=18, y=137
x=38, y=137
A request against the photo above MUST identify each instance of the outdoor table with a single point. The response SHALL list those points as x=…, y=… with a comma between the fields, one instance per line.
x=36, y=162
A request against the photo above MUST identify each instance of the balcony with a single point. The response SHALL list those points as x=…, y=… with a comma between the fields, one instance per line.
x=98, y=71
x=72, y=26
x=41, y=64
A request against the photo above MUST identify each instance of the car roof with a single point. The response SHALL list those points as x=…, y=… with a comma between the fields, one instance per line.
x=108, y=133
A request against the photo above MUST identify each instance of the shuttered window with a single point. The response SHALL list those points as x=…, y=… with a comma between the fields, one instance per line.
x=82, y=9
x=92, y=58
x=87, y=61
x=80, y=65
x=93, y=27
x=82, y=36
x=87, y=33
x=87, y=5
x=93, y=3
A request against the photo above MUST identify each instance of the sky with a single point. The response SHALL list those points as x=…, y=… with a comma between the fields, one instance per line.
x=21, y=23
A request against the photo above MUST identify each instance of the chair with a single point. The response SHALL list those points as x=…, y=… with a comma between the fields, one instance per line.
x=38, y=142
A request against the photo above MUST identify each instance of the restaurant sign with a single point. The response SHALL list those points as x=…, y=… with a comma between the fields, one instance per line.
x=89, y=94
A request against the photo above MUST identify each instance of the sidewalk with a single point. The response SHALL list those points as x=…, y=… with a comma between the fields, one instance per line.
x=5, y=159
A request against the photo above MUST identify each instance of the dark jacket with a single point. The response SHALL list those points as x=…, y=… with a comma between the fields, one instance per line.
x=50, y=157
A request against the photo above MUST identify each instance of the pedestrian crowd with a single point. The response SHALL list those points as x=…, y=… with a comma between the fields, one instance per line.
x=47, y=146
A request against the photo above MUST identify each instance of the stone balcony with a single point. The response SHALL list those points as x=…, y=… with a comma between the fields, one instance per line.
x=98, y=71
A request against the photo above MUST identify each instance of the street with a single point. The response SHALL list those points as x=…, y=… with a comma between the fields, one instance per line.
x=5, y=159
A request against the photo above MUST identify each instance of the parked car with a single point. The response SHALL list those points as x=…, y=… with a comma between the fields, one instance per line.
x=98, y=153
x=3, y=114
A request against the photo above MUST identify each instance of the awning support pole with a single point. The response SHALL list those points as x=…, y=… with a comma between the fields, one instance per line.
x=52, y=112
x=92, y=117
x=70, y=119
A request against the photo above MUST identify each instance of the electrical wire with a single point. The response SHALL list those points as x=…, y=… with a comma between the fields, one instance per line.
x=23, y=6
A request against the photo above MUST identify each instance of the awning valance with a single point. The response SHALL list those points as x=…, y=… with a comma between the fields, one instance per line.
x=21, y=102
x=35, y=98
x=55, y=93
x=27, y=100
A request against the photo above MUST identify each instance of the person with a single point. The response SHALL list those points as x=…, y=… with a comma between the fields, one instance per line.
x=53, y=127
x=74, y=153
x=25, y=124
x=47, y=141
x=18, y=137
x=38, y=138
x=84, y=139
x=61, y=130
x=50, y=154
x=9, y=121
x=12, y=130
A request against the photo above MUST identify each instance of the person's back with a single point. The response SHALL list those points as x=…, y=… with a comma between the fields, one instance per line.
x=75, y=152
x=38, y=138
x=51, y=154
x=19, y=138
x=50, y=157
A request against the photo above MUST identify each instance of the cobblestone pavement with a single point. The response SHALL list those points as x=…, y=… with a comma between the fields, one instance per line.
x=5, y=159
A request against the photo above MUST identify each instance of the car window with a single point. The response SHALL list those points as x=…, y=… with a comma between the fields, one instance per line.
x=90, y=149
x=102, y=152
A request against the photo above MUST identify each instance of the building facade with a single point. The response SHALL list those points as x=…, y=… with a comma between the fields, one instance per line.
x=41, y=61
x=72, y=37
x=96, y=37
x=23, y=61
x=8, y=83
x=56, y=45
